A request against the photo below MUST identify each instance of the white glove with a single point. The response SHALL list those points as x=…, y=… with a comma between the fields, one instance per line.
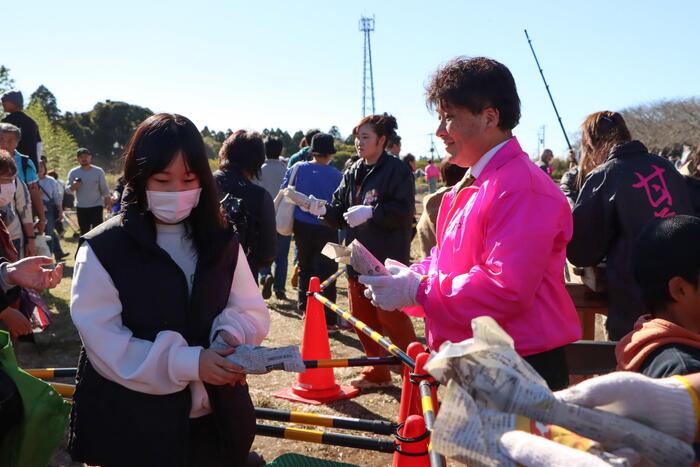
x=395, y=291
x=358, y=215
x=534, y=451
x=316, y=207
x=664, y=404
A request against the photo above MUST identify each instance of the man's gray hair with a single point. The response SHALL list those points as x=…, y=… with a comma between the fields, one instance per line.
x=10, y=128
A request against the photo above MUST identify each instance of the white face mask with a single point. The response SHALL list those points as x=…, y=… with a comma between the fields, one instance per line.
x=7, y=192
x=172, y=207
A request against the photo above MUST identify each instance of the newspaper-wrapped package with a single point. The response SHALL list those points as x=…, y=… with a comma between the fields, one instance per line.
x=259, y=360
x=357, y=256
x=300, y=199
x=487, y=370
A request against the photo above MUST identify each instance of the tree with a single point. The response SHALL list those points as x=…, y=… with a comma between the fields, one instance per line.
x=47, y=100
x=6, y=82
x=665, y=126
x=105, y=129
x=335, y=133
x=59, y=146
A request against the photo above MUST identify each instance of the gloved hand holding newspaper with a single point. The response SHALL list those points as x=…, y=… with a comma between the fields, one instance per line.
x=489, y=386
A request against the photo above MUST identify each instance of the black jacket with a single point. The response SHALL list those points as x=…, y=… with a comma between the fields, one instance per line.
x=389, y=188
x=616, y=201
x=261, y=208
x=116, y=426
x=670, y=360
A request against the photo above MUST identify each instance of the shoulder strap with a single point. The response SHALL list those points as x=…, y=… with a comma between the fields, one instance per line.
x=42, y=189
x=293, y=175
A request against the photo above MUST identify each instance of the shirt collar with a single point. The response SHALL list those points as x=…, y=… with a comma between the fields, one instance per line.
x=477, y=168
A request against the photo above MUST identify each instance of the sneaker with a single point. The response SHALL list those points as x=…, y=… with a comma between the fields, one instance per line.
x=267, y=286
x=280, y=295
x=373, y=377
x=295, y=276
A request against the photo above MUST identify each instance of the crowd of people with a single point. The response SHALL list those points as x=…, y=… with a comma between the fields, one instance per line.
x=494, y=240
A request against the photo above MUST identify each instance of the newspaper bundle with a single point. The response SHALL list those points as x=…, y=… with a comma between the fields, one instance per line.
x=259, y=360
x=488, y=383
x=357, y=256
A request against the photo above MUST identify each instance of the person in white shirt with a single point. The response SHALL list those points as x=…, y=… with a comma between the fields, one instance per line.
x=156, y=289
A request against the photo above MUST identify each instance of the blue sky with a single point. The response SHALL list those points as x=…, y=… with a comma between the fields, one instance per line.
x=298, y=64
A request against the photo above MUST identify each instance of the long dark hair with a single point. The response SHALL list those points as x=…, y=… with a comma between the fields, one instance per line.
x=154, y=144
x=600, y=133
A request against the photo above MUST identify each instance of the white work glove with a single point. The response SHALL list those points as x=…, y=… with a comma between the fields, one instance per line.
x=358, y=215
x=534, y=451
x=663, y=404
x=395, y=291
x=316, y=207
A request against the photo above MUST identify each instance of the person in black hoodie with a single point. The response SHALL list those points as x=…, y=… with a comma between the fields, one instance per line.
x=240, y=159
x=376, y=202
x=623, y=187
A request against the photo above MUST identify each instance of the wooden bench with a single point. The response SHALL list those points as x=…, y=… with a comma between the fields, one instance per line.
x=588, y=304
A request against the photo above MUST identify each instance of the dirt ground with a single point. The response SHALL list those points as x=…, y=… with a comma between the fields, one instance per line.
x=60, y=344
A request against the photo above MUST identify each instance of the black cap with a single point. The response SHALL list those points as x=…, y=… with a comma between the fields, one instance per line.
x=322, y=143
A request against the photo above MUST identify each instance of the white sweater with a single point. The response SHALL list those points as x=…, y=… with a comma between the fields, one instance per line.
x=168, y=364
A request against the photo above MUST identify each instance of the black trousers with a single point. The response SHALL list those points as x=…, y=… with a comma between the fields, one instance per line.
x=552, y=366
x=310, y=240
x=89, y=218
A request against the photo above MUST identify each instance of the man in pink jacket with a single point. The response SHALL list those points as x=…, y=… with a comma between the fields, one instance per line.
x=501, y=232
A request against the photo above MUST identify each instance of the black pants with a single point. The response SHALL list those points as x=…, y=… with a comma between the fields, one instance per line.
x=551, y=365
x=89, y=218
x=310, y=240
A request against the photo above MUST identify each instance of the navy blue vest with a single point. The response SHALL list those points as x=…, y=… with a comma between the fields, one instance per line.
x=112, y=425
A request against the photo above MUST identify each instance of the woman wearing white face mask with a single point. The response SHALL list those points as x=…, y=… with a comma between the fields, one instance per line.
x=153, y=287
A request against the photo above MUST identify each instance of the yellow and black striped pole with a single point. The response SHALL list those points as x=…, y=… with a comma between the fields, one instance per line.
x=380, y=427
x=426, y=399
x=49, y=373
x=325, y=437
x=65, y=390
x=374, y=335
x=334, y=277
x=351, y=362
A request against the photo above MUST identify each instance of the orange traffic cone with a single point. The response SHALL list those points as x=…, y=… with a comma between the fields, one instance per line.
x=413, y=444
x=316, y=386
x=409, y=391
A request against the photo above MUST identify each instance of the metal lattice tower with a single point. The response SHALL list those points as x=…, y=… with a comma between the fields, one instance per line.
x=367, y=26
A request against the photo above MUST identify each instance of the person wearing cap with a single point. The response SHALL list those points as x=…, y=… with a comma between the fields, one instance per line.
x=92, y=194
x=30, y=144
x=317, y=178
x=304, y=153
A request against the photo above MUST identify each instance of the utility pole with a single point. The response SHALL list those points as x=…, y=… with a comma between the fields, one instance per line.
x=367, y=26
x=540, y=141
x=433, y=150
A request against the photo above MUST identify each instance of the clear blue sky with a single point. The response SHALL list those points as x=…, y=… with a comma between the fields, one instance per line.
x=298, y=64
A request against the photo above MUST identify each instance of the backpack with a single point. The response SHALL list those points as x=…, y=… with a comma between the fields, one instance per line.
x=242, y=222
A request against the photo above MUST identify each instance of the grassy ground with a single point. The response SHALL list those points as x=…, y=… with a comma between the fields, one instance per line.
x=60, y=344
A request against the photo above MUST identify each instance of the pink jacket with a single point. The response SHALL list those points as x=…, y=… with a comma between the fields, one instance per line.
x=432, y=172
x=501, y=249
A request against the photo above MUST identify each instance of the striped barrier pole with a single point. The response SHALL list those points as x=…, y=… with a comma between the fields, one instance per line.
x=383, y=341
x=48, y=373
x=65, y=390
x=351, y=362
x=426, y=399
x=334, y=277
x=325, y=437
x=379, y=427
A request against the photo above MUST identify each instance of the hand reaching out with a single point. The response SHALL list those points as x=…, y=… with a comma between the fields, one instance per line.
x=28, y=273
